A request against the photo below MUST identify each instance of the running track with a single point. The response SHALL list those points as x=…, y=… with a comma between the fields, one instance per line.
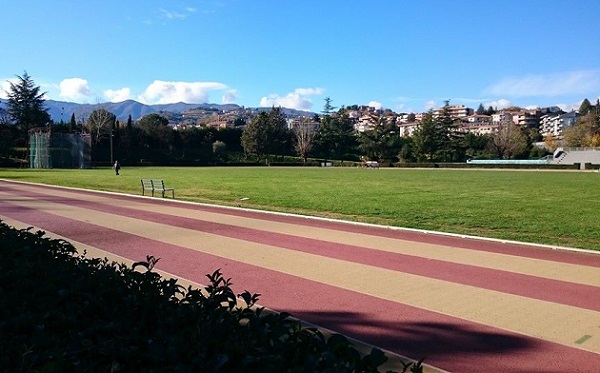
x=466, y=305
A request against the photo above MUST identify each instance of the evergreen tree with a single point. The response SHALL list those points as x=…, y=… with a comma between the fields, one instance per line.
x=585, y=106
x=25, y=105
x=156, y=132
x=279, y=137
x=426, y=139
x=266, y=134
x=255, y=136
x=328, y=108
x=381, y=142
x=450, y=138
x=480, y=110
x=72, y=123
x=335, y=138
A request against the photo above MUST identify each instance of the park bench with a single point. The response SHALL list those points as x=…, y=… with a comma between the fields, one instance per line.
x=156, y=185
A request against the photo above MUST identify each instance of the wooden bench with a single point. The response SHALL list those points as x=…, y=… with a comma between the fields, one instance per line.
x=156, y=185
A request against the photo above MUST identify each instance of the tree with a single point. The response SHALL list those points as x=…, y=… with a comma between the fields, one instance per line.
x=100, y=124
x=25, y=105
x=426, y=139
x=279, y=136
x=328, y=108
x=480, y=110
x=335, y=137
x=72, y=123
x=304, y=134
x=380, y=142
x=437, y=138
x=266, y=133
x=450, y=138
x=509, y=142
x=585, y=106
x=475, y=145
x=256, y=135
x=584, y=133
x=156, y=131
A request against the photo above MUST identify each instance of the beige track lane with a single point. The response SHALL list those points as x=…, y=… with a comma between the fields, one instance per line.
x=573, y=273
x=394, y=363
x=550, y=321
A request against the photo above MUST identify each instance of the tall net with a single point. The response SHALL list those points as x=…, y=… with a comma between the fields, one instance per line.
x=70, y=150
x=59, y=150
x=39, y=149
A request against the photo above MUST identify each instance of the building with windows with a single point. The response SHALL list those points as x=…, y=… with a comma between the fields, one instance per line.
x=554, y=124
x=455, y=111
x=479, y=124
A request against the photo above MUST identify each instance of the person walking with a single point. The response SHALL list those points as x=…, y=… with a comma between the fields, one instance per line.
x=117, y=167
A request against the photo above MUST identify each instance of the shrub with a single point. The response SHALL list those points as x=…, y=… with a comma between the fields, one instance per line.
x=60, y=311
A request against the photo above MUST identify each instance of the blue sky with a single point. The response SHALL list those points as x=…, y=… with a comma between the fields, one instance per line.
x=404, y=55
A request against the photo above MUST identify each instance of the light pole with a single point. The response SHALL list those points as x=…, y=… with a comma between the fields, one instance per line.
x=111, y=147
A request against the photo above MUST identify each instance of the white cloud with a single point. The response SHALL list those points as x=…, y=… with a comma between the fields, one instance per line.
x=229, y=97
x=74, y=89
x=118, y=95
x=375, y=105
x=169, y=14
x=498, y=104
x=161, y=92
x=569, y=83
x=429, y=105
x=299, y=99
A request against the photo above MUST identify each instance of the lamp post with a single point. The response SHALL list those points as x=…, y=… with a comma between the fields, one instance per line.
x=111, y=147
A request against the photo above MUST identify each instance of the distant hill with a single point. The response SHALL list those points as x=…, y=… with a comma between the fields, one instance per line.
x=63, y=110
x=60, y=110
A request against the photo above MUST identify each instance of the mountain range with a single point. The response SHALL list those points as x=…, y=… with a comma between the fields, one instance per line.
x=62, y=110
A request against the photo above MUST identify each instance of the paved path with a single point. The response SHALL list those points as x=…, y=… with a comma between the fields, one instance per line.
x=464, y=304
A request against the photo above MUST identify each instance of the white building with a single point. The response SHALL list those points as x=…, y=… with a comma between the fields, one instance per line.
x=555, y=124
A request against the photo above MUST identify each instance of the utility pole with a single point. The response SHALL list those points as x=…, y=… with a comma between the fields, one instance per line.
x=111, y=147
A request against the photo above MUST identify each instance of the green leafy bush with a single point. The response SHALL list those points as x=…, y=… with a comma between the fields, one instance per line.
x=62, y=312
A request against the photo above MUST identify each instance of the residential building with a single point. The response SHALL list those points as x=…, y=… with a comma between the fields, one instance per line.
x=479, y=124
x=554, y=124
x=407, y=129
x=455, y=111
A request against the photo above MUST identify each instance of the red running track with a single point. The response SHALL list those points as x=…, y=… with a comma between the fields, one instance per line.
x=448, y=342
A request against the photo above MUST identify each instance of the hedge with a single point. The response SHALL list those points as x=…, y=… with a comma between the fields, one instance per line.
x=64, y=312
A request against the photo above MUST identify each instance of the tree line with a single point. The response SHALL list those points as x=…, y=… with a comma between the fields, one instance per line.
x=330, y=135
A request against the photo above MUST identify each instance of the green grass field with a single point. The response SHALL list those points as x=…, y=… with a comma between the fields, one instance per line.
x=556, y=208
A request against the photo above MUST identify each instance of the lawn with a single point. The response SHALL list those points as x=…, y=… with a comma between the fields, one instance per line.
x=550, y=207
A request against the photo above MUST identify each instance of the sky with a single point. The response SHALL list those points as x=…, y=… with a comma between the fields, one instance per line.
x=403, y=55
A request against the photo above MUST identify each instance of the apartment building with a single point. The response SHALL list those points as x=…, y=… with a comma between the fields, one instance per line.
x=455, y=111
x=479, y=124
x=554, y=124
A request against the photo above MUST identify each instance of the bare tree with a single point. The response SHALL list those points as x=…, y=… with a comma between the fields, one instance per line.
x=100, y=123
x=509, y=142
x=304, y=133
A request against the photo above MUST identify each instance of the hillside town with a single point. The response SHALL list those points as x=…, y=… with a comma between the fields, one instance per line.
x=549, y=121
x=210, y=133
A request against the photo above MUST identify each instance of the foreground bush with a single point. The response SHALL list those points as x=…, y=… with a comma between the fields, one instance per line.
x=61, y=312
